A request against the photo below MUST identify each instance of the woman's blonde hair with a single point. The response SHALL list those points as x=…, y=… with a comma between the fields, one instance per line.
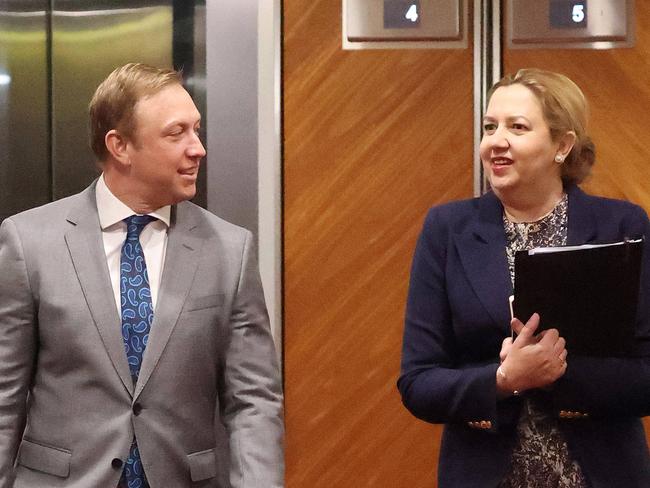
x=565, y=109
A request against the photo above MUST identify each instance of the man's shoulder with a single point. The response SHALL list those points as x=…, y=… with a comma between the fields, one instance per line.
x=210, y=221
x=49, y=214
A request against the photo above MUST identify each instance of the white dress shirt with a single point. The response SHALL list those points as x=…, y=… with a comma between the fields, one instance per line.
x=153, y=239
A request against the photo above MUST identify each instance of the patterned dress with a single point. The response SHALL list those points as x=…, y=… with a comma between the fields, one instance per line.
x=541, y=458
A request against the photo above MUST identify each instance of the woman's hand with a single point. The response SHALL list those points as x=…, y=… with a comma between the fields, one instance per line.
x=530, y=361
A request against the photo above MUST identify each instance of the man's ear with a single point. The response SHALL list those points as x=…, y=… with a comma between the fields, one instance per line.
x=567, y=142
x=117, y=146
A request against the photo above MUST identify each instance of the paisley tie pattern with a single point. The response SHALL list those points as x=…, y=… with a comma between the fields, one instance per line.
x=137, y=315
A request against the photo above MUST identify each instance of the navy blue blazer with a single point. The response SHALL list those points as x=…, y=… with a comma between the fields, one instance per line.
x=457, y=316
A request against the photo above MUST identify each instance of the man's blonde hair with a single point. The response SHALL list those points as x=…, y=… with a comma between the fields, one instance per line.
x=114, y=101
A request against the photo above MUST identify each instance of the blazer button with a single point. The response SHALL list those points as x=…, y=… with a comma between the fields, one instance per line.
x=137, y=408
x=116, y=463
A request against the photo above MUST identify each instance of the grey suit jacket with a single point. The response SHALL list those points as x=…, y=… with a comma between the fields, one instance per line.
x=209, y=381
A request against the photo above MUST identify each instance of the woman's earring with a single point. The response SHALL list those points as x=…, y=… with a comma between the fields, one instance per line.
x=559, y=159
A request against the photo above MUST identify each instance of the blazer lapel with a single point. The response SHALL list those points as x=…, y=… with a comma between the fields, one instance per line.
x=481, y=248
x=85, y=244
x=181, y=260
x=582, y=221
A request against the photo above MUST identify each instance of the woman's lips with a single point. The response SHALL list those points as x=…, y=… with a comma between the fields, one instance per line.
x=501, y=161
x=500, y=165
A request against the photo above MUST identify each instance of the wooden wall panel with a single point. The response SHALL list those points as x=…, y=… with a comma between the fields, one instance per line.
x=617, y=84
x=372, y=139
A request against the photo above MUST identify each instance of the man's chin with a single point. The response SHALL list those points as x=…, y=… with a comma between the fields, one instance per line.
x=187, y=194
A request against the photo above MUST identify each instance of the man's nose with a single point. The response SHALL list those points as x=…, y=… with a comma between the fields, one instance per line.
x=197, y=149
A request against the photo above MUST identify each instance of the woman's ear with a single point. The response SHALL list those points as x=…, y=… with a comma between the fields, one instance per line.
x=567, y=141
x=117, y=146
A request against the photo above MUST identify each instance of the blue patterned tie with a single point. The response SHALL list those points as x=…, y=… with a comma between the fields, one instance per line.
x=137, y=314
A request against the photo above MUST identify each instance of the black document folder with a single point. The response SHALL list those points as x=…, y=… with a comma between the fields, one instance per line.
x=589, y=293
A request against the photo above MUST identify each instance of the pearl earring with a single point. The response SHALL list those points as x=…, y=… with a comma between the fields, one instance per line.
x=559, y=158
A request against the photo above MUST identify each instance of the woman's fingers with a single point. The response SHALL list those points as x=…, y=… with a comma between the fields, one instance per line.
x=534, y=360
x=525, y=333
x=506, y=345
x=559, y=346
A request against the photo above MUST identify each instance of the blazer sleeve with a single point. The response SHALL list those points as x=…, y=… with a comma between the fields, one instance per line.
x=252, y=397
x=17, y=346
x=438, y=383
x=615, y=386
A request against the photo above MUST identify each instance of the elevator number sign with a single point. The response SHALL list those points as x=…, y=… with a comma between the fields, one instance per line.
x=566, y=13
x=401, y=14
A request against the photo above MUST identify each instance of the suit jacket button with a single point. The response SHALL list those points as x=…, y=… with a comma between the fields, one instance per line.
x=137, y=408
x=116, y=463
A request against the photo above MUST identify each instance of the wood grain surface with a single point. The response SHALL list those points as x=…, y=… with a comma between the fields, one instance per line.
x=617, y=84
x=372, y=139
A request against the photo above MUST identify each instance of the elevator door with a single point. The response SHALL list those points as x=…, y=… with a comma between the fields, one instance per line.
x=617, y=84
x=53, y=54
x=371, y=140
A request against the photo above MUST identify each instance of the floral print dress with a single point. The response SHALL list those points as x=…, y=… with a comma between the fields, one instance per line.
x=541, y=458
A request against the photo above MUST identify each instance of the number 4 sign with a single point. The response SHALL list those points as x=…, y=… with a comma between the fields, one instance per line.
x=412, y=13
x=401, y=14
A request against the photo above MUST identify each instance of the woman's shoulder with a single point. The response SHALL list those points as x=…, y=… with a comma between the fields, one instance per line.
x=612, y=213
x=452, y=216
x=455, y=207
x=607, y=205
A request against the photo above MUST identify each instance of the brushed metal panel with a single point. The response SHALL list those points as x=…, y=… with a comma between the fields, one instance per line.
x=609, y=24
x=439, y=20
x=24, y=112
x=90, y=39
x=232, y=81
x=459, y=42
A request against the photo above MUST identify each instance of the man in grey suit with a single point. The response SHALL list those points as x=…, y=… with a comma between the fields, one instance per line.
x=115, y=380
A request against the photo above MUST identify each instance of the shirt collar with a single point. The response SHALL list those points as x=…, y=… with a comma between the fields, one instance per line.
x=112, y=210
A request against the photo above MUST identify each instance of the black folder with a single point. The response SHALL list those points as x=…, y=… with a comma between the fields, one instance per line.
x=589, y=293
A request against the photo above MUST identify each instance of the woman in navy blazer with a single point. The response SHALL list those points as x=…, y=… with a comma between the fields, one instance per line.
x=523, y=413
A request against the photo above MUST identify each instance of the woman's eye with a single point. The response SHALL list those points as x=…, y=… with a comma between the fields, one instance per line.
x=519, y=126
x=489, y=127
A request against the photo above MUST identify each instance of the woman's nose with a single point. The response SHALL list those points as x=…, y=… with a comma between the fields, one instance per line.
x=498, y=138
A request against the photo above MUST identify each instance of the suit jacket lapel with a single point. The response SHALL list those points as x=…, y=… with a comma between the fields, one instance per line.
x=481, y=247
x=181, y=260
x=582, y=221
x=86, y=247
